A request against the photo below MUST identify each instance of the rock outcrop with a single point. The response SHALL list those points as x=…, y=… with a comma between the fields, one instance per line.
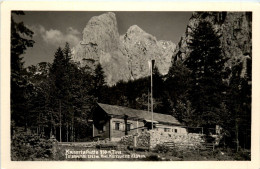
x=234, y=29
x=122, y=57
x=139, y=47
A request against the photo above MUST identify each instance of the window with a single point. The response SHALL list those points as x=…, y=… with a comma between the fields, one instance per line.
x=128, y=127
x=175, y=130
x=117, y=126
x=166, y=130
x=104, y=128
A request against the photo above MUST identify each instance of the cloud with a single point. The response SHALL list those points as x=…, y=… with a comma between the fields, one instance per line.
x=33, y=28
x=41, y=29
x=73, y=31
x=57, y=37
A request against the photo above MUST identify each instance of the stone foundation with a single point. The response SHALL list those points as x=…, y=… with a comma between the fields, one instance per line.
x=142, y=139
x=152, y=138
x=190, y=140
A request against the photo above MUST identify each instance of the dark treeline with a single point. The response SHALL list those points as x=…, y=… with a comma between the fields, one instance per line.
x=50, y=99
x=58, y=99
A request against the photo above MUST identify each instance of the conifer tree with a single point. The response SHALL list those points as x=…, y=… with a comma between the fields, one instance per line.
x=99, y=81
x=67, y=52
x=158, y=86
x=57, y=87
x=21, y=39
x=206, y=63
x=239, y=104
x=178, y=86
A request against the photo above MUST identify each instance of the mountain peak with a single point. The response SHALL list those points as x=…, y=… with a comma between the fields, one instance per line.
x=121, y=57
x=134, y=29
x=106, y=17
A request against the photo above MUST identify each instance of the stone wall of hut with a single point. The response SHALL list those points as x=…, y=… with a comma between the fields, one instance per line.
x=152, y=138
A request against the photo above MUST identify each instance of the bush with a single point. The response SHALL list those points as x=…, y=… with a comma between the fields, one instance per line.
x=26, y=146
x=242, y=155
x=161, y=148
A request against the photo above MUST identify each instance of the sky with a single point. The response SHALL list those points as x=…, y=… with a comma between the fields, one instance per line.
x=53, y=28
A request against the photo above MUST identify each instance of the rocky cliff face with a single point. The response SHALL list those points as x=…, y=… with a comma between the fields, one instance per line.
x=122, y=57
x=234, y=29
x=139, y=47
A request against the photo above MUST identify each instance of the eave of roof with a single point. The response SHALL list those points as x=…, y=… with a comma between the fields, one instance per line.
x=119, y=111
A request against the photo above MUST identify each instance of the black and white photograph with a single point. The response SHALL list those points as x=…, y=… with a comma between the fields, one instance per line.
x=132, y=86
x=149, y=86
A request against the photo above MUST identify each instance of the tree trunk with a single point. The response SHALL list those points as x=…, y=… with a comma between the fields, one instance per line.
x=73, y=131
x=55, y=132
x=43, y=132
x=237, y=141
x=51, y=132
x=67, y=132
x=60, y=120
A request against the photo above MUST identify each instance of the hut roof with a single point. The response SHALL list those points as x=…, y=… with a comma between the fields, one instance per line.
x=120, y=111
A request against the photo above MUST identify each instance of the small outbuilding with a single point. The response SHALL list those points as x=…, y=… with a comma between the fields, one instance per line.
x=114, y=122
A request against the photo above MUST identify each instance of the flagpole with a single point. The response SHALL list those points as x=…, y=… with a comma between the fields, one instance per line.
x=148, y=108
x=152, y=91
x=151, y=64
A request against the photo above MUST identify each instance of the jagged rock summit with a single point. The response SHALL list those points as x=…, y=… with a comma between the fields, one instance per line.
x=140, y=47
x=234, y=29
x=102, y=32
x=122, y=57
